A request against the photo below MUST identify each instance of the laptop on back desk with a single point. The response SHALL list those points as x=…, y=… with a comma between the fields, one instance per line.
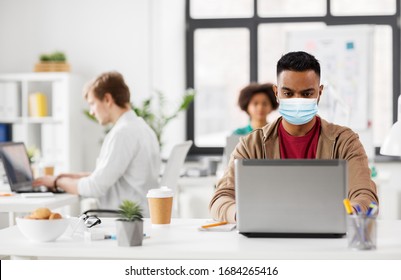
x=18, y=169
x=291, y=198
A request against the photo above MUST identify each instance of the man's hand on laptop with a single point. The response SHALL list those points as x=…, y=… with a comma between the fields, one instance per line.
x=47, y=181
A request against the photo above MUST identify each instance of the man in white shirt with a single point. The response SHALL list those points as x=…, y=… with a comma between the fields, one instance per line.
x=129, y=161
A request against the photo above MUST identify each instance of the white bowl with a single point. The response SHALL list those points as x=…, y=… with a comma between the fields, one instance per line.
x=42, y=230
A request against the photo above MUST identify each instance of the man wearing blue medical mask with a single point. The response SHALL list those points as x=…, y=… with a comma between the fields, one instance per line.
x=299, y=134
x=298, y=91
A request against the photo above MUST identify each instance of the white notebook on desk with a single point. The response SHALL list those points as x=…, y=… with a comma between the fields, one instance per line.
x=37, y=194
x=221, y=228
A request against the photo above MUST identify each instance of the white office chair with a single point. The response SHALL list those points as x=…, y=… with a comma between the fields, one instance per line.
x=231, y=143
x=173, y=168
x=169, y=177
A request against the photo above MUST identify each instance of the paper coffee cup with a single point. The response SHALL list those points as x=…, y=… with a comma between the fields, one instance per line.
x=48, y=170
x=45, y=168
x=160, y=205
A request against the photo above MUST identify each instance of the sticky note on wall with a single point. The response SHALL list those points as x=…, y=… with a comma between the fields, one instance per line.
x=37, y=105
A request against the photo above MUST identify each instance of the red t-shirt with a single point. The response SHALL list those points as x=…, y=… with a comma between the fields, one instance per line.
x=299, y=146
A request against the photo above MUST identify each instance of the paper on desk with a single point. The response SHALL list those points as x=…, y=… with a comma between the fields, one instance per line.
x=226, y=227
x=37, y=194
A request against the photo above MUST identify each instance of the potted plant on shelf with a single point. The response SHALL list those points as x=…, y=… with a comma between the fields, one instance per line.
x=130, y=225
x=53, y=62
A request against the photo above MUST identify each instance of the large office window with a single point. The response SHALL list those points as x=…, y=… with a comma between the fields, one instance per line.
x=291, y=8
x=363, y=7
x=221, y=67
x=233, y=42
x=221, y=9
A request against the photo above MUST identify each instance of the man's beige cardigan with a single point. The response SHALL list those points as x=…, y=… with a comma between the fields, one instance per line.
x=335, y=142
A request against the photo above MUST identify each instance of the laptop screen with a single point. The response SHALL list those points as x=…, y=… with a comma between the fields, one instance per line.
x=16, y=164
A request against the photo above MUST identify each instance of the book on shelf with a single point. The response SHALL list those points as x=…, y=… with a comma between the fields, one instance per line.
x=5, y=132
x=37, y=105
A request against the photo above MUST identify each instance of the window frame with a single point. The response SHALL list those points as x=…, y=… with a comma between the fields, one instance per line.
x=252, y=24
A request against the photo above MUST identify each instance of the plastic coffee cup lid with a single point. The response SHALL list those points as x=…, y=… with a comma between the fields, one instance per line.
x=160, y=192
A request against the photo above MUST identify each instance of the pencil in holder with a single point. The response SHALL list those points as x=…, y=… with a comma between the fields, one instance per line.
x=361, y=232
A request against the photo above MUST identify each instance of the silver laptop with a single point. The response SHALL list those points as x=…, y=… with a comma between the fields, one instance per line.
x=18, y=169
x=291, y=198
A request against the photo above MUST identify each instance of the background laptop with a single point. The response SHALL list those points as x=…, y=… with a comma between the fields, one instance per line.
x=291, y=198
x=17, y=167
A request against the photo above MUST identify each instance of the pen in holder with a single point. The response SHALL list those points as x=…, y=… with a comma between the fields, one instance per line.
x=361, y=232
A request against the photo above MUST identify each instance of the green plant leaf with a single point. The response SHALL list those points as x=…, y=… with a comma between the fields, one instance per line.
x=187, y=99
x=154, y=115
x=44, y=57
x=90, y=116
x=55, y=56
x=130, y=211
x=58, y=56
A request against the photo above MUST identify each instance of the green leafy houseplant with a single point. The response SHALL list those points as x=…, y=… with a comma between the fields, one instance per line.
x=154, y=114
x=158, y=119
x=52, y=62
x=130, y=225
x=53, y=57
x=33, y=153
x=130, y=211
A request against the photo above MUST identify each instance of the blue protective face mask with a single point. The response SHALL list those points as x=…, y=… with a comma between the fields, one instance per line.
x=298, y=111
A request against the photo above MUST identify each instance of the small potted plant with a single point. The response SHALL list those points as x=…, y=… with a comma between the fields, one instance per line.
x=52, y=62
x=130, y=225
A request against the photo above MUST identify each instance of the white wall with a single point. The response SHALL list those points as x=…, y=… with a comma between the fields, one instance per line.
x=96, y=35
x=389, y=189
x=142, y=39
x=168, y=61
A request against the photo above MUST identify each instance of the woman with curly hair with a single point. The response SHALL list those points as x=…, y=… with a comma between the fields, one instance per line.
x=257, y=100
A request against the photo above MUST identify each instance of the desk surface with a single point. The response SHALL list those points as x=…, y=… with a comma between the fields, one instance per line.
x=182, y=240
x=17, y=203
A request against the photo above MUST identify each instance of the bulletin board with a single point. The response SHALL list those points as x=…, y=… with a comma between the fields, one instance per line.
x=346, y=59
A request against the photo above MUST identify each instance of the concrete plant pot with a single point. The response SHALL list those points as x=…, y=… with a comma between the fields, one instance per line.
x=129, y=233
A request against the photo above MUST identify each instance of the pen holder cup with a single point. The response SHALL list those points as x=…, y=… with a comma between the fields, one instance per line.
x=361, y=232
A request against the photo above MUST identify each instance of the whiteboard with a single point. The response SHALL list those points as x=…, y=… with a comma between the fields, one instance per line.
x=345, y=56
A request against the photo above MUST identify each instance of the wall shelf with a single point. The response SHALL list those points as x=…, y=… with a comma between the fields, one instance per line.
x=56, y=133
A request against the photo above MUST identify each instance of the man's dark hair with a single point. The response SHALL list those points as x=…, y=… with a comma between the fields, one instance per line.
x=299, y=62
x=249, y=91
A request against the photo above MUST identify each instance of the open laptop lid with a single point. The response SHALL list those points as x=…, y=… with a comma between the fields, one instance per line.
x=16, y=165
x=291, y=198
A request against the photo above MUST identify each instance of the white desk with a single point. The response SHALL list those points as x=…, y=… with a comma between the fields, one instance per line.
x=182, y=240
x=17, y=204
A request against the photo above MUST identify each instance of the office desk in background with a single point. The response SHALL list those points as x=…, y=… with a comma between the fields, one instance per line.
x=194, y=195
x=18, y=204
x=182, y=240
